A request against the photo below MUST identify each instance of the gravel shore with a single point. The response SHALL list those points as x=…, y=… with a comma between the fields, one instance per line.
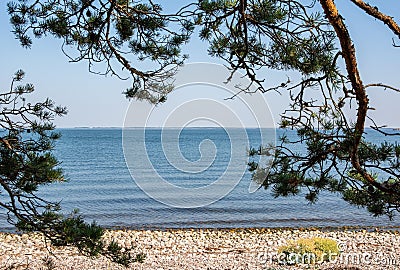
x=207, y=249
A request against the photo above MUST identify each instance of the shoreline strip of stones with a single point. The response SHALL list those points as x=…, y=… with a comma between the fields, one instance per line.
x=241, y=248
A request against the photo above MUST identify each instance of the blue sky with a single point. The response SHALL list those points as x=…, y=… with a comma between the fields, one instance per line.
x=94, y=100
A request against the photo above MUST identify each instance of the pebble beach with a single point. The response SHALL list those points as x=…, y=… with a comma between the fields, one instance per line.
x=208, y=249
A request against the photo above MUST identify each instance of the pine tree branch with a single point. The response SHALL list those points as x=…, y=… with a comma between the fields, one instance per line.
x=349, y=55
x=385, y=86
x=374, y=12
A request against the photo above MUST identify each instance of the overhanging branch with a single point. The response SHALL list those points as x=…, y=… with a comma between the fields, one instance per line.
x=374, y=12
x=349, y=55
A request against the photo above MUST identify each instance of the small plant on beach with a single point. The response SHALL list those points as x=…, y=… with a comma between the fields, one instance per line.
x=309, y=250
x=27, y=139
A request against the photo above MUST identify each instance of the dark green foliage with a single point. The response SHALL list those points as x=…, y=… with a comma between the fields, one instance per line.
x=267, y=33
x=86, y=237
x=124, y=32
x=27, y=139
x=326, y=165
x=121, y=257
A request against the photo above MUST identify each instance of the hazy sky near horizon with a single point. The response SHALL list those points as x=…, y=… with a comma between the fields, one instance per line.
x=97, y=101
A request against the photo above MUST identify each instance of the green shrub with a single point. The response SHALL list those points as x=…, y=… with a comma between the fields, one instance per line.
x=309, y=251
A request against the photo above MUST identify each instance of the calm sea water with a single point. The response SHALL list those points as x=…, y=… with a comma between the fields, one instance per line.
x=101, y=186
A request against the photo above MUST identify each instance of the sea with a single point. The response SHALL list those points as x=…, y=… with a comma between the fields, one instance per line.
x=171, y=178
